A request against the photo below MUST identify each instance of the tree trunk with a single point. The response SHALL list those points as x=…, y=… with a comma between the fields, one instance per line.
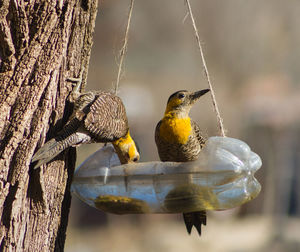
x=41, y=44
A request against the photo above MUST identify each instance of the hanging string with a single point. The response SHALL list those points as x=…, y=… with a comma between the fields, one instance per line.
x=212, y=92
x=124, y=47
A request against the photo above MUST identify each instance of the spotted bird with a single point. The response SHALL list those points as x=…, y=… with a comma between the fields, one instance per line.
x=178, y=138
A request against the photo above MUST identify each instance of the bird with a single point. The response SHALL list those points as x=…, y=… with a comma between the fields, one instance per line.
x=98, y=117
x=178, y=139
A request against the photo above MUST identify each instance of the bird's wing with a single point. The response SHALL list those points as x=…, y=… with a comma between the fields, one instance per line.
x=106, y=119
x=157, y=137
x=199, y=134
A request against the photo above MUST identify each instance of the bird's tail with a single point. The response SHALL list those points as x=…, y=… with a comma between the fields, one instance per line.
x=50, y=150
x=68, y=137
x=194, y=219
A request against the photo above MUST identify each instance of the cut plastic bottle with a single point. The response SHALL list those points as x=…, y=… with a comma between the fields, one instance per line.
x=221, y=178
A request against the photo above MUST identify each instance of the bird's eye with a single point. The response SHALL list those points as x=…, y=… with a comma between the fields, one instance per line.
x=180, y=96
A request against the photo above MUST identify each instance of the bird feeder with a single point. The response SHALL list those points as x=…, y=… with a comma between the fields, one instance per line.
x=221, y=178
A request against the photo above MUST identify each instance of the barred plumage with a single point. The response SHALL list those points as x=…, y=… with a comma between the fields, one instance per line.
x=97, y=117
x=179, y=139
x=107, y=120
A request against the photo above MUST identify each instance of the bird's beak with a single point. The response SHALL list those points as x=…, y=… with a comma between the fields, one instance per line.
x=196, y=95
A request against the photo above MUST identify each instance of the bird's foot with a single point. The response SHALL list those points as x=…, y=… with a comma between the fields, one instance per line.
x=77, y=82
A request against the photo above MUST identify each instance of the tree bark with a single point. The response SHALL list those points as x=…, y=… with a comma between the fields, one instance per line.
x=41, y=44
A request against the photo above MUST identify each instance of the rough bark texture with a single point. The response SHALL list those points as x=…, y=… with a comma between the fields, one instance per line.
x=41, y=44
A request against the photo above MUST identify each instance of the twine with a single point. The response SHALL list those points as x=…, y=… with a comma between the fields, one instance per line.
x=124, y=47
x=212, y=92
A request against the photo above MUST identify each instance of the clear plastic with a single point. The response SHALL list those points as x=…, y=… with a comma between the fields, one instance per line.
x=221, y=178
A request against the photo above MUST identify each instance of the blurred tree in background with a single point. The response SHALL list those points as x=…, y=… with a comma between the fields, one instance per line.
x=252, y=51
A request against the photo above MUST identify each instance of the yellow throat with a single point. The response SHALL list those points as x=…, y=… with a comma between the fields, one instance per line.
x=174, y=129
